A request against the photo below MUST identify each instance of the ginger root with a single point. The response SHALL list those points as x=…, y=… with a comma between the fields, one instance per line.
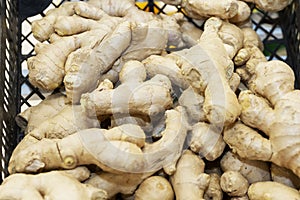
x=204, y=9
x=155, y=188
x=206, y=140
x=149, y=98
x=252, y=170
x=274, y=111
x=66, y=122
x=54, y=185
x=233, y=183
x=214, y=190
x=272, y=6
x=85, y=150
x=265, y=190
x=189, y=181
x=35, y=115
x=125, y=183
x=255, y=146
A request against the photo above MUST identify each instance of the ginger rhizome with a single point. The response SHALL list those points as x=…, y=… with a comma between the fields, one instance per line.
x=234, y=183
x=189, y=181
x=274, y=111
x=265, y=190
x=133, y=154
x=35, y=115
x=125, y=183
x=155, y=188
x=150, y=102
x=149, y=98
x=50, y=185
x=220, y=108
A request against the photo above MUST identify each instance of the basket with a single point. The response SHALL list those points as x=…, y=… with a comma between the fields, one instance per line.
x=280, y=36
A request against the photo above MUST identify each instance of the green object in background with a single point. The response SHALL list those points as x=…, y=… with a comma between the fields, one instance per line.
x=276, y=47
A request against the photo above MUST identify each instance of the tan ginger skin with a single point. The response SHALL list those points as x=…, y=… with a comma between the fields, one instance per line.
x=273, y=6
x=206, y=140
x=243, y=14
x=54, y=185
x=234, y=183
x=149, y=98
x=272, y=190
x=220, y=108
x=204, y=9
x=154, y=188
x=124, y=183
x=189, y=181
x=252, y=170
x=33, y=116
x=214, y=190
x=275, y=112
x=85, y=150
x=138, y=38
x=192, y=102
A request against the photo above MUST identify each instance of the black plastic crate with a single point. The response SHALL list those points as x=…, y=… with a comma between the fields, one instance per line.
x=279, y=32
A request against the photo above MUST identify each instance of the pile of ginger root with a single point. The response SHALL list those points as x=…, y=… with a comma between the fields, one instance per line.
x=148, y=106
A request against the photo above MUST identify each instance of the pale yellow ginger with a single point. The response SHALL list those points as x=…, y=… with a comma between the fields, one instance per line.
x=82, y=148
x=206, y=140
x=250, y=55
x=128, y=133
x=114, y=7
x=204, y=9
x=214, y=190
x=143, y=121
x=251, y=39
x=193, y=104
x=155, y=188
x=234, y=183
x=151, y=38
x=43, y=28
x=81, y=173
x=220, y=107
x=252, y=170
x=89, y=11
x=54, y=185
x=156, y=64
x=271, y=190
x=47, y=68
x=33, y=116
x=35, y=157
x=243, y=13
x=86, y=65
x=189, y=181
x=149, y=98
x=206, y=73
x=234, y=81
x=66, y=122
x=170, y=145
x=274, y=81
x=232, y=37
x=251, y=144
x=273, y=6
x=70, y=25
x=125, y=183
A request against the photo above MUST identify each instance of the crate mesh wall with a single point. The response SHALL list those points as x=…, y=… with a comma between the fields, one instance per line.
x=290, y=20
x=9, y=82
x=19, y=94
